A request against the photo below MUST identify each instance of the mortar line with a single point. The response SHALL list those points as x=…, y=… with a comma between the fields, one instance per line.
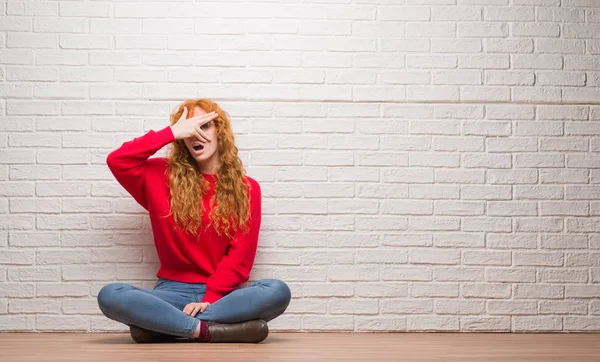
x=263, y=100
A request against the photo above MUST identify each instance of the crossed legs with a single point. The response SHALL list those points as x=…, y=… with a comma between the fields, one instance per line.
x=161, y=309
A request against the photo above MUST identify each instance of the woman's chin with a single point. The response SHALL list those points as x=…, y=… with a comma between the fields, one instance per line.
x=200, y=157
x=197, y=154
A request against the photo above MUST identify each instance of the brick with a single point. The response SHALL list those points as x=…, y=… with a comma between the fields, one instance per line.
x=486, y=324
x=535, y=323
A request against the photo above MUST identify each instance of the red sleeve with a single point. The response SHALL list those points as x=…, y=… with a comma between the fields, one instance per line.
x=234, y=269
x=128, y=163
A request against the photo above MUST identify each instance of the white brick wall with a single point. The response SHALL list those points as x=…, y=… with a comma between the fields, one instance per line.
x=426, y=165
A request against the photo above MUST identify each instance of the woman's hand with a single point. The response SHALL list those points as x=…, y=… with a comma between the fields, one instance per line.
x=193, y=308
x=190, y=127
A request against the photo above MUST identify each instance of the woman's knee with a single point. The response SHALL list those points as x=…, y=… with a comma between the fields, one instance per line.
x=108, y=296
x=281, y=292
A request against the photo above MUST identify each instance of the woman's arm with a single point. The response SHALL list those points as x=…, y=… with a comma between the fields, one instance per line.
x=128, y=163
x=234, y=269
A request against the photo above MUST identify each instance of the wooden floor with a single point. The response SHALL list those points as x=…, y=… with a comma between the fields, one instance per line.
x=308, y=347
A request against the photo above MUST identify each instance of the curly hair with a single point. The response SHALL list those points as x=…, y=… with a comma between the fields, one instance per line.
x=188, y=186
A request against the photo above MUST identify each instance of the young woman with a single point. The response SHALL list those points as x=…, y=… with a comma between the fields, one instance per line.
x=205, y=215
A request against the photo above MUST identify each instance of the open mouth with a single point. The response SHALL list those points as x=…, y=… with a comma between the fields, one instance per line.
x=198, y=147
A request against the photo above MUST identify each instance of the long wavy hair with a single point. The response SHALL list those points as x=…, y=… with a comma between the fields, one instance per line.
x=188, y=186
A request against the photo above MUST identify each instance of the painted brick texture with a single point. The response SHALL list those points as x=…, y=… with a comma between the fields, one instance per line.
x=426, y=165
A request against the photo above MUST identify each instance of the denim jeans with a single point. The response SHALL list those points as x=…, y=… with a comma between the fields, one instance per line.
x=161, y=309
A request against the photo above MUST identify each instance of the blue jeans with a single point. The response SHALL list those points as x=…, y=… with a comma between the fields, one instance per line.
x=161, y=309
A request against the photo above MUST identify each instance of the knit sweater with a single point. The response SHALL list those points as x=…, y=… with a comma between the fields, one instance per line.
x=222, y=263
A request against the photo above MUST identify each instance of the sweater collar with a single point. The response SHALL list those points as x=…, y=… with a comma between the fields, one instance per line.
x=210, y=176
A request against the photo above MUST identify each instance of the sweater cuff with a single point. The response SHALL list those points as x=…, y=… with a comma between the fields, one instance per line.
x=211, y=297
x=165, y=135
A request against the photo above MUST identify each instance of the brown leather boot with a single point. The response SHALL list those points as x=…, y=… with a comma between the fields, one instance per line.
x=252, y=331
x=141, y=335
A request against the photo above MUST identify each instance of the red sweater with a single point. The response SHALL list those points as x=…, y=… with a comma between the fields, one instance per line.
x=220, y=262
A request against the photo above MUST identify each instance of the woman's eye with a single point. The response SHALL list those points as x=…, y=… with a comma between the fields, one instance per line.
x=205, y=126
